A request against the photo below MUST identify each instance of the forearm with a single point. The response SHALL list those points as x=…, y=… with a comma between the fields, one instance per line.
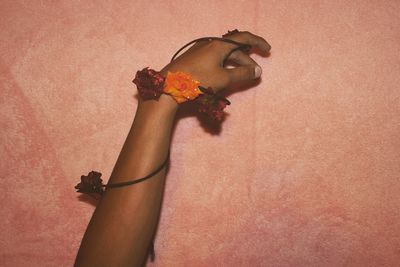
x=123, y=223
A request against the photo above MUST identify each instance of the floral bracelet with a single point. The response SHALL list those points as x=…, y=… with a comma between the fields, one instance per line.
x=182, y=87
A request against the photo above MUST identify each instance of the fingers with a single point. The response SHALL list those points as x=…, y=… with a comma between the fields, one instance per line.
x=241, y=58
x=250, y=39
x=244, y=73
x=248, y=69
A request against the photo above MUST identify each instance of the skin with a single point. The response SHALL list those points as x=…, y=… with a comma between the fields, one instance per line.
x=124, y=222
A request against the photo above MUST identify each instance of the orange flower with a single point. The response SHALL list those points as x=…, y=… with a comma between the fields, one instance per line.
x=181, y=86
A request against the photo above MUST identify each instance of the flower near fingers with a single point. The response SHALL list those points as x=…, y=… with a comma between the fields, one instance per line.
x=150, y=83
x=181, y=86
x=90, y=183
x=212, y=104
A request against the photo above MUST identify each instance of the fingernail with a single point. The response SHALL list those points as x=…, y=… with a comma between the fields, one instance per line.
x=257, y=71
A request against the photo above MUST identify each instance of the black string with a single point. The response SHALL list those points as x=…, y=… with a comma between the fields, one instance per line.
x=241, y=46
x=141, y=179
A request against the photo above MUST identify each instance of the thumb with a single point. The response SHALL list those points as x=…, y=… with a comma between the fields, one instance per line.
x=244, y=73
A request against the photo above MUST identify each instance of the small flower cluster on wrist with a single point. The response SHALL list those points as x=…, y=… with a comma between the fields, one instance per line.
x=182, y=87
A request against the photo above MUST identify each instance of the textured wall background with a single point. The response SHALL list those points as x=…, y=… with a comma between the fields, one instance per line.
x=304, y=172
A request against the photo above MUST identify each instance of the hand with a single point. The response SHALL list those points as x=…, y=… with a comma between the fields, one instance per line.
x=204, y=61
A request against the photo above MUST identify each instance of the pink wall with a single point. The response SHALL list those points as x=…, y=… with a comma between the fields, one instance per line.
x=306, y=169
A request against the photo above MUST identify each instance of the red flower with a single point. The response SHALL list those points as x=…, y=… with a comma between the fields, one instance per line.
x=212, y=104
x=91, y=183
x=150, y=83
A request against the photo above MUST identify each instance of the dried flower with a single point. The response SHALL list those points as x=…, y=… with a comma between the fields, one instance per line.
x=149, y=83
x=230, y=33
x=212, y=104
x=90, y=183
x=181, y=86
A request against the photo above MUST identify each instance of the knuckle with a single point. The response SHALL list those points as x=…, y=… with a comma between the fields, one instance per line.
x=213, y=44
x=246, y=34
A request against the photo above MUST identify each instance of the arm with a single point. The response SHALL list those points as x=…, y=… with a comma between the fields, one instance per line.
x=124, y=221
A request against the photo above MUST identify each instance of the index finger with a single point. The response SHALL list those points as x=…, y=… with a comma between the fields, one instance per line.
x=249, y=38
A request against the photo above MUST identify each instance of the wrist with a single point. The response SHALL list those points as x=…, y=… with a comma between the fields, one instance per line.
x=165, y=104
x=166, y=93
